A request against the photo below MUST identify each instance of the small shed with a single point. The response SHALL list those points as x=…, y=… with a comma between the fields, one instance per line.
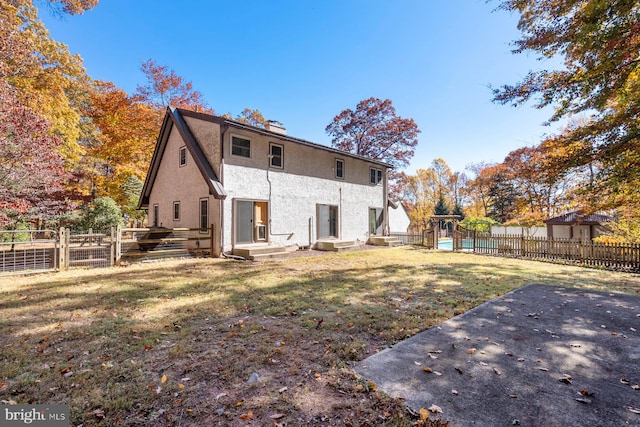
x=577, y=225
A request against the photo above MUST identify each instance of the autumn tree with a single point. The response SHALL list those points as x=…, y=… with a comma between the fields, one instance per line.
x=250, y=117
x=433, y=191
x=32, y=174
x=165, y=88
x=122, y=147
x=374, y=130
x=599, y=41
x=47, y=78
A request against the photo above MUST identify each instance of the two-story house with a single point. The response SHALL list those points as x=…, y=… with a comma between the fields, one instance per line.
x=260, y=187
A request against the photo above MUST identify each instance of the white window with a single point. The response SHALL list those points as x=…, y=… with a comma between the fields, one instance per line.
x=204, y=213
x=176, y=211
x=339, y=168
x=183, y=156
x=276, y=155
x=375, y=175
x=240, y=147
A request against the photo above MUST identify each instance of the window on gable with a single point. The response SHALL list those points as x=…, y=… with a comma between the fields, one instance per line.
x=375, y=175
x=339, y=168
x=240, y=147
x=183, y=156
x=176, y=211
x=276, y=155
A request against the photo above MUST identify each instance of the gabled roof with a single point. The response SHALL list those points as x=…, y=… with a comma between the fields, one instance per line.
x=577, y=217
x=173, y=117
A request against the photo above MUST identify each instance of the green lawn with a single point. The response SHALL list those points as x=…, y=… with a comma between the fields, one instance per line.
x=175, y=342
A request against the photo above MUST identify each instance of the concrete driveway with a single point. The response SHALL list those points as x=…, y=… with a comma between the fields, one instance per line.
x=538, y=356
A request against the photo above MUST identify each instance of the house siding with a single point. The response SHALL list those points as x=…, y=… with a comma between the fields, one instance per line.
x=208, y=136
x=291, y=209
x=188, y=192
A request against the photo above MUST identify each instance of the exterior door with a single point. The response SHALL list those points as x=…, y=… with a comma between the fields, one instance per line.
x=244, y=221
x=327, y=221
x=376, y=218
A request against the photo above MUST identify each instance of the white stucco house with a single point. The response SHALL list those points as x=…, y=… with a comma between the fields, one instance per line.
x=260, y=187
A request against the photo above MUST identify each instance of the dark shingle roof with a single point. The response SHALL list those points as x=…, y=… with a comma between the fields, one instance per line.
x=577, y=217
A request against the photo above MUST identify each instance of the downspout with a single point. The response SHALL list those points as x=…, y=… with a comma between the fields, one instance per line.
x=385, y=196
x=341, y=236
x=269, y=205
x=223, y=130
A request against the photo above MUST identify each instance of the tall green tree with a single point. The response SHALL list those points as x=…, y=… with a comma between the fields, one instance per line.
x=598, y=41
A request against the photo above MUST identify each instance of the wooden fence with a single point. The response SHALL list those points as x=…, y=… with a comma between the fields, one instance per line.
x=613, y=256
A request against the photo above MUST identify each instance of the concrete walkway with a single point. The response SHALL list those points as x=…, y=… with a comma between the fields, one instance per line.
x=538, y=356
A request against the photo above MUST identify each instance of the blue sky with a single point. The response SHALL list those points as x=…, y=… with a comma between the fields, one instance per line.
x=303, y=62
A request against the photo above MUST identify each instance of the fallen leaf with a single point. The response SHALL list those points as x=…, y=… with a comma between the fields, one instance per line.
x=247, y=416
x=634, y=409
x=426, y=369
x=424, y=414
x=583, y=400
x=69, y=356
x=148, y=347
x=513, y=396
x=417, y=363
x=471, y=351
x=635, y=387
x=276, y=416
x=163, y=379
x=586, y=392
x=283, y=389
x=565, y=379
x=544, y=369
x=180, y=386
x=484, y=364
x=454, y=392
x=624, y=381
x=497, y=371
x=319, y=323
x=435, y=409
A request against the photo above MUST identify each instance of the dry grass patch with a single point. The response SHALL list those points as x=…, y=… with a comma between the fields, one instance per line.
x=215, y=342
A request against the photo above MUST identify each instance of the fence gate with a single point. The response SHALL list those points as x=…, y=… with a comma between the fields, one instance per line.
x=463, y=238
x=86, y=249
